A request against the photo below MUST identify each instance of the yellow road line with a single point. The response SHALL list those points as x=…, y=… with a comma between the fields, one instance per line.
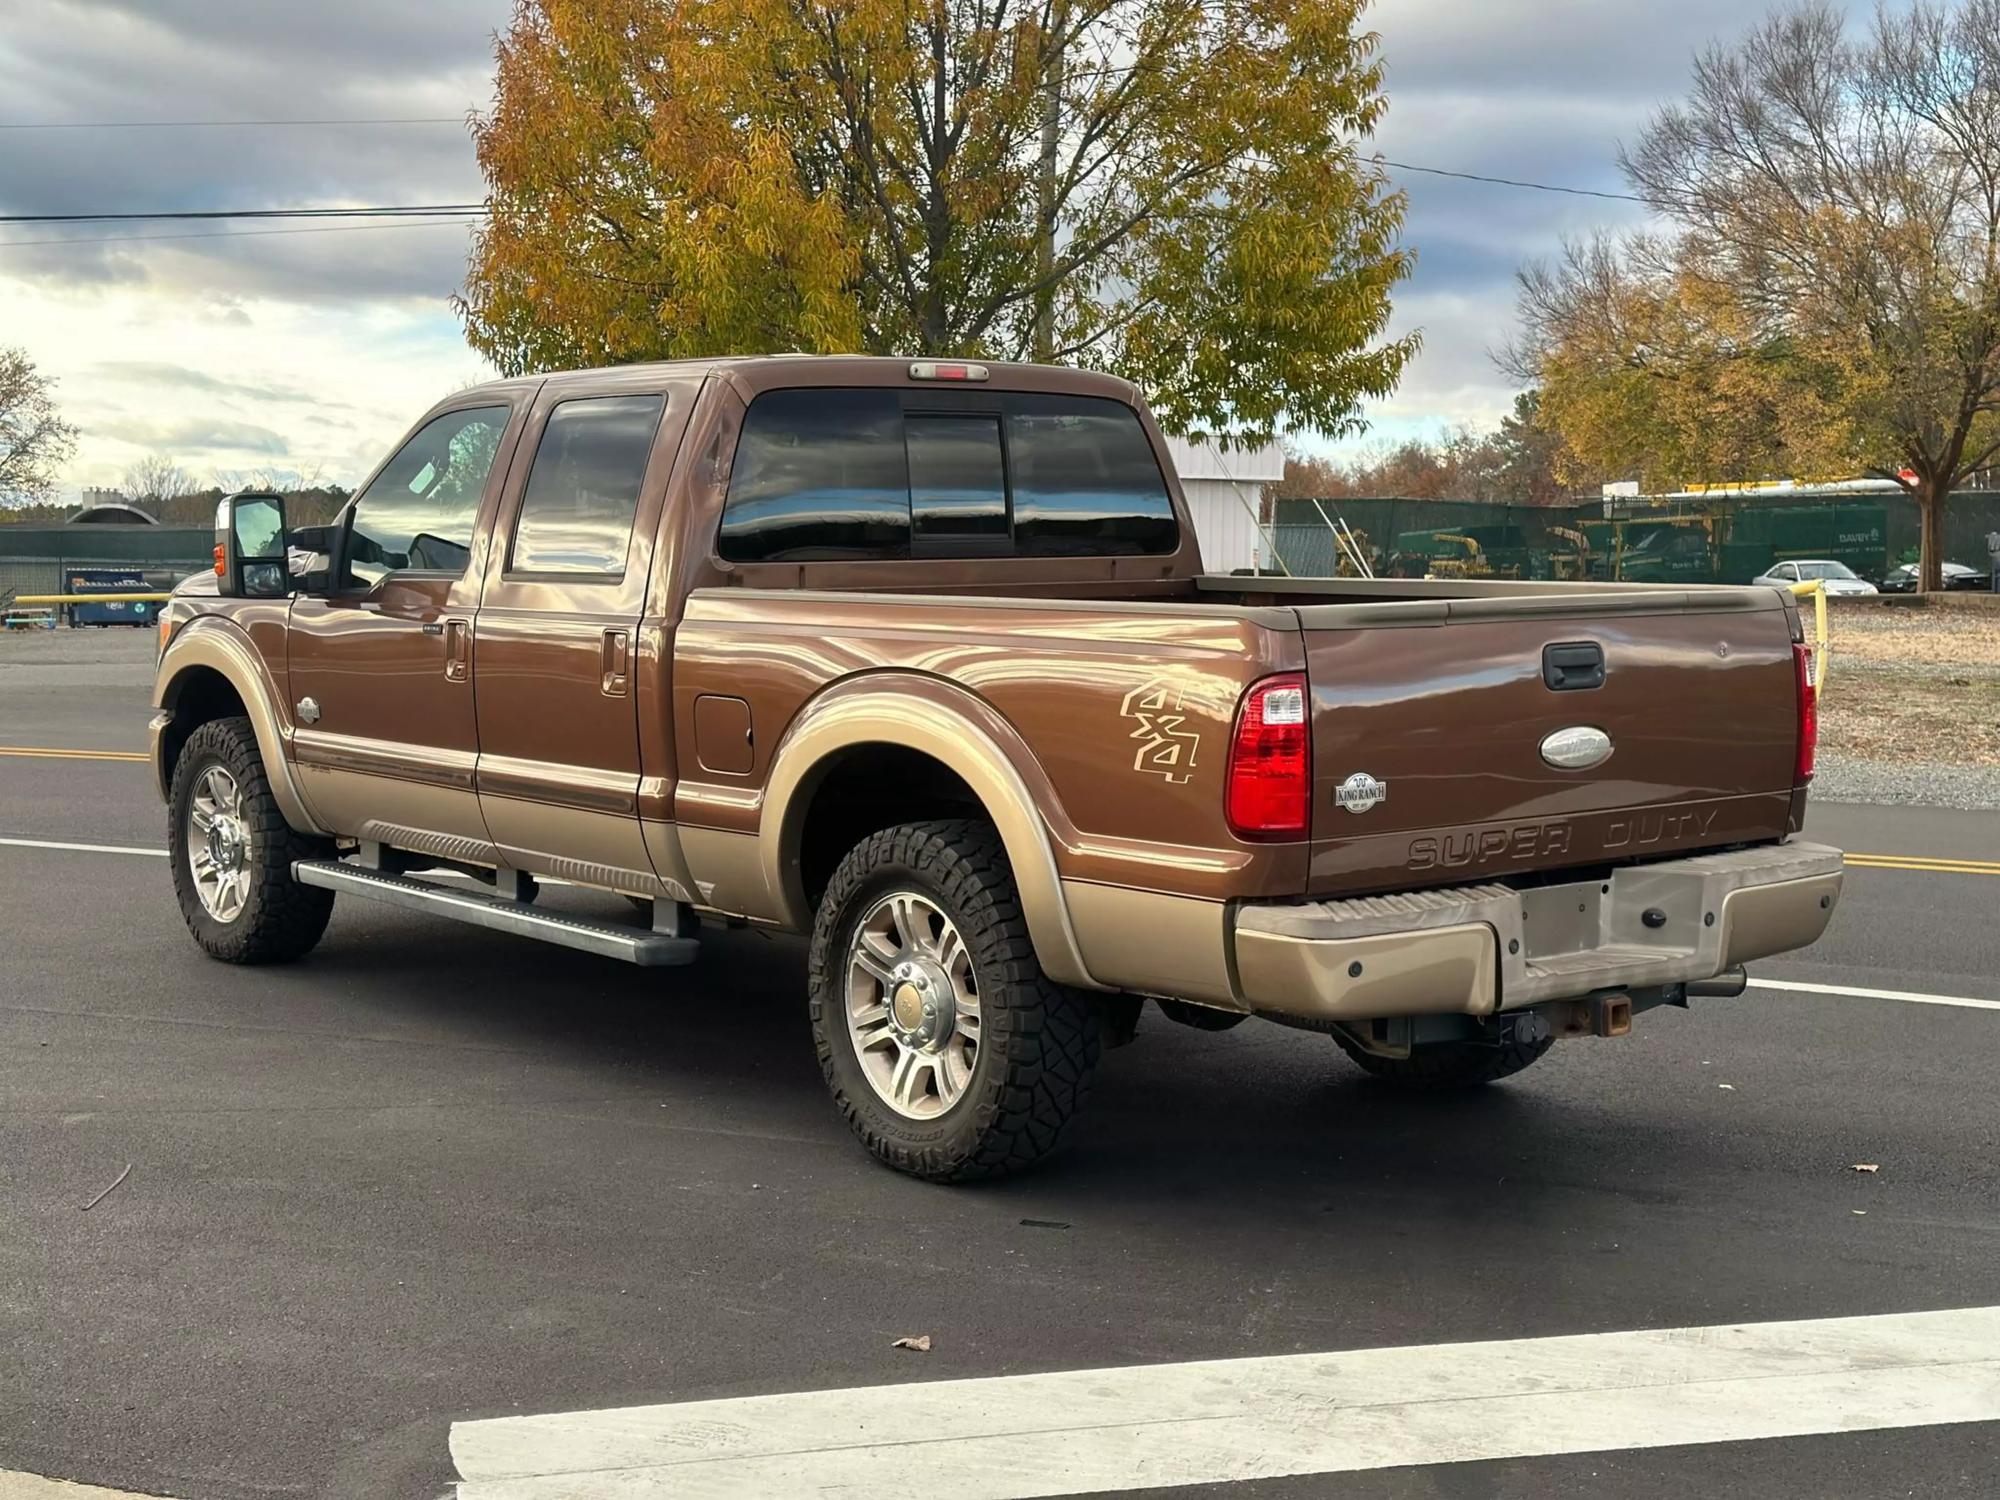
x=1928, y=859
x=35, y=751
x=1924, y=866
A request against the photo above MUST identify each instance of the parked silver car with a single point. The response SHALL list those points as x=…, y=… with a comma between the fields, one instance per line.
x=1838, y=578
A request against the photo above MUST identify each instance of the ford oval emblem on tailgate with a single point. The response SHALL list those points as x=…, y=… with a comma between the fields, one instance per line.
x=1576, y=748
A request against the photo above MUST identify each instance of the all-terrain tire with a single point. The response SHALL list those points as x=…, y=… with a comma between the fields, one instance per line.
x=280, y=919
x=1039, y=1042
x=1452, y=1065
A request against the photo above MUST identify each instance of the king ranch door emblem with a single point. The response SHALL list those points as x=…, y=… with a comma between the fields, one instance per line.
x=1360, y=792
x=1167, y=746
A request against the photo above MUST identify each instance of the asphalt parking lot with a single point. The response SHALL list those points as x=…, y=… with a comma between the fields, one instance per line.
x=432, y=1176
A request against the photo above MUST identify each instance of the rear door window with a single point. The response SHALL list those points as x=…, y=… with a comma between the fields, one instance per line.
x=583, y=490
x=819, y=474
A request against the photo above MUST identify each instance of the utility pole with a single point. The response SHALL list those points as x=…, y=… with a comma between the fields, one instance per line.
x=1045, y=190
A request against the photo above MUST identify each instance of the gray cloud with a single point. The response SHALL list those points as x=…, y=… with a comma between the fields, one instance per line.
x=153, y=371
x=99, y=60
x=198, y=438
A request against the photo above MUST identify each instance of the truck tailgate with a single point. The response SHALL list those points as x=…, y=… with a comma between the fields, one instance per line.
x=1443, y=707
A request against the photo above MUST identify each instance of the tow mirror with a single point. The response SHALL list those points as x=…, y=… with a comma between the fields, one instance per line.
x=250, y=546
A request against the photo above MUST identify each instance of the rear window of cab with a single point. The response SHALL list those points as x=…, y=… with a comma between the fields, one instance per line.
x=844, y=473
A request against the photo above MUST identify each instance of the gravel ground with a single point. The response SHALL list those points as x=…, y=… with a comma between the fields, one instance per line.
x=1912, y=709
x=1843, y=778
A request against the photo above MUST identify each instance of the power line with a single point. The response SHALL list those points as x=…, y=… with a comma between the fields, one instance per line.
x=233, y=234
x=390, y=211
x=1516, y=182
x=228, y=124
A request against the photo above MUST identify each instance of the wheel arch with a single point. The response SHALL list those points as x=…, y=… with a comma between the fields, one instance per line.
x=946, y=752
x=212, y=671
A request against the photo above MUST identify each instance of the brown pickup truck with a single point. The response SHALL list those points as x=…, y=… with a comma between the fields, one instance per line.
x=919, y=659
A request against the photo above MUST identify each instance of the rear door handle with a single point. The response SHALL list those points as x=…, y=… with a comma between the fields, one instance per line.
x=1570, y=666
x=617, y=663
x=457, y=650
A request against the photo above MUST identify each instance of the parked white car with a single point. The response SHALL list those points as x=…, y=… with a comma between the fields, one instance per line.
x=1838, y=578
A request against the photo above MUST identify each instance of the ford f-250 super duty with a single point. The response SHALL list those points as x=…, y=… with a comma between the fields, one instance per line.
x=919, y=659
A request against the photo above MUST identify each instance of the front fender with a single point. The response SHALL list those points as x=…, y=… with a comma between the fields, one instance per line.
x=208, y=643
x=960, y=731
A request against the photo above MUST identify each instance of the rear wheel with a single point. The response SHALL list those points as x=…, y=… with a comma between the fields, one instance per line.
x=1455, y=1065
x=232, y=851
x=944, y=1045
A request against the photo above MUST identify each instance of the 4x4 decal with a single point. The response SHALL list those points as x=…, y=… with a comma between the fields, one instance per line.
x=1166, y=746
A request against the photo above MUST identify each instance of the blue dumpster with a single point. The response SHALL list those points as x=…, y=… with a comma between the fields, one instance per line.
x=112, y=611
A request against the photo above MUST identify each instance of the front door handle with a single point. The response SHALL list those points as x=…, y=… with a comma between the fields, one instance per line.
x=457, y=650
x=616, y=662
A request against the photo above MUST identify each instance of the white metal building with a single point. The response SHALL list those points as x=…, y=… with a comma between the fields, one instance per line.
x=1225, y=491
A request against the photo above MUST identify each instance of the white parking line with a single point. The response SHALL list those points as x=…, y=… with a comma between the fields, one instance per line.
x=1151, y=1426
x=1909, y=997
x=83, y=848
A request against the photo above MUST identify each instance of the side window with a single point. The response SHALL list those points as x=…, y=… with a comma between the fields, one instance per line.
x=583, y=489
x=1086, y=482
x=1786, y=571
x=958, y=483
x=819, y=474
x=417, y=515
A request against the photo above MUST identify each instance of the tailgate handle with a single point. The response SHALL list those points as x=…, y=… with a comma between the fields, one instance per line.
x=1569, y=666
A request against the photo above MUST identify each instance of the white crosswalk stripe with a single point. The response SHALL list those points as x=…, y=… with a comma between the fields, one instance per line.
x=1150, y=1426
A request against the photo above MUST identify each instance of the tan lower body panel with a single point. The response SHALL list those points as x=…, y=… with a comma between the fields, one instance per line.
x=572, y=843
x=1473, y=949
x=1391, y=974
x=663, y=847
x=728, y=872
x=1152, y=943
x=388, y=809
x=1758, y=921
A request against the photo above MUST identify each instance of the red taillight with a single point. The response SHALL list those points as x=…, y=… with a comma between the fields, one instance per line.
x=1270, y=761
x=1802, y=664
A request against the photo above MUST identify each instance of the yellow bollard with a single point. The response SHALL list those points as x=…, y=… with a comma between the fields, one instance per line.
x=1822, y=645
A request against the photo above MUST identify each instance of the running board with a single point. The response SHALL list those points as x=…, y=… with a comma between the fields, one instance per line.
x=634, y=945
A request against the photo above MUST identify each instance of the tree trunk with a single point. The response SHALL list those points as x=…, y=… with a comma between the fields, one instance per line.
x=1930, y=553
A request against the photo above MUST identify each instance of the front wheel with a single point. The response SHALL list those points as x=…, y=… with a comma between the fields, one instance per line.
x=944, y=1045
x=232, y=851
x=1455, y=1065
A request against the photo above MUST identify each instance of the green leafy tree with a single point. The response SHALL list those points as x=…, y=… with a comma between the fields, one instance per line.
x=1169, y=189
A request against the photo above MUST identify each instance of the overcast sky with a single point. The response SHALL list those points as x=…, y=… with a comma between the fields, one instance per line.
x=312, y=351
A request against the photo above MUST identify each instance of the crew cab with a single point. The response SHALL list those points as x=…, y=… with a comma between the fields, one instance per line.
x=919, y=660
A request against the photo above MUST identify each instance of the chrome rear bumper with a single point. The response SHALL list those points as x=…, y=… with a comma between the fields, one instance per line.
x=1479, y=949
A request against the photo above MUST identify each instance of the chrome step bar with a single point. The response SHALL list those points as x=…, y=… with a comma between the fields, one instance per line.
x=634, y=945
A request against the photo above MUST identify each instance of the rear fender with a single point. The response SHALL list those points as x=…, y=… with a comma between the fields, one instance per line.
x=958, y=730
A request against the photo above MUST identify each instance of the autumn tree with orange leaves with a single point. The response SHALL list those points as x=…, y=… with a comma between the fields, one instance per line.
x=1169, y=189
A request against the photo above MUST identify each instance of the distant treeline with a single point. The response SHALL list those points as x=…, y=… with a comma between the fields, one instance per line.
x=305, y=507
